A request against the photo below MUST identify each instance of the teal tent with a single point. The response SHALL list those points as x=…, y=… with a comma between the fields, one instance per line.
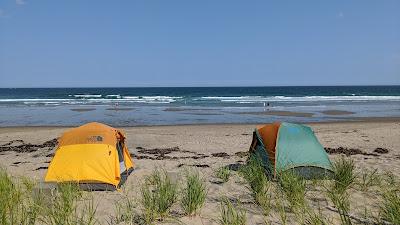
x=288, y=146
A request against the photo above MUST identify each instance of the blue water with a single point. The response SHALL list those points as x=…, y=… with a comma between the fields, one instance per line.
x=190, y=105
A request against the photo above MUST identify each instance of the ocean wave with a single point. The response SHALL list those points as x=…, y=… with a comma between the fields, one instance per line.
x=255, y=99
x=152, y=99
x=108, y=100
x=111, y=99
x=113, y=96
x=87, y=96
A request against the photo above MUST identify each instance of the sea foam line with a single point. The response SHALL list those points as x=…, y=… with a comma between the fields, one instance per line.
x=250, y=99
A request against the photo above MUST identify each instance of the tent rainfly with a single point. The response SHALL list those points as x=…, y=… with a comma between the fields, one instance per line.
x=93, y=155
x=288, y=146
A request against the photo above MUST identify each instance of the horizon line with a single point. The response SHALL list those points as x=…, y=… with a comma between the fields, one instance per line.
x=234, y=86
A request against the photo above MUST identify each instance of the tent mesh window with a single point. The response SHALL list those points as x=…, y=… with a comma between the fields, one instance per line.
x=121, y=157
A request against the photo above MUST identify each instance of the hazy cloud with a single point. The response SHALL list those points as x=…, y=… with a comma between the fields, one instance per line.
x=20, y=2
x=340, y=15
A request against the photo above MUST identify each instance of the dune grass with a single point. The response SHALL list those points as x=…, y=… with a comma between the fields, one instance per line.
x=344, y=174
x=344, y=178
x=294, y=188
x=315, y=218
x=368, y=179
x=390, y=208
x=231, y=215
x=22, y=202
x=342, y=203
x=63, y=207
x=223, y=173
x=125, y=211
x=16, y=204
x=254, y=173
x=193, y=194
x=158, y=196
x=19, y=204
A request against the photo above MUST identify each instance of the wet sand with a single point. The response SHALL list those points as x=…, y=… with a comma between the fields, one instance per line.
x=281, y=113
x=372, y=145
x=336, y=112
x=83, y=109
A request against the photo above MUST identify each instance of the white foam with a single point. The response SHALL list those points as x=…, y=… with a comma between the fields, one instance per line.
x=113, y=96
x=88, y=96
x=255, y=99
x=33, y=100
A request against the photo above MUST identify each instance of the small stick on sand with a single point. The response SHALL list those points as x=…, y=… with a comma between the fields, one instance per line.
x=360, y=220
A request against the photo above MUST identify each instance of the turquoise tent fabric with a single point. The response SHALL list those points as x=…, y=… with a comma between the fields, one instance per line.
x=297, y=146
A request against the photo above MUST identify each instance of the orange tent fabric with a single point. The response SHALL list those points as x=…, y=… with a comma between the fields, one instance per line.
x=268, y=133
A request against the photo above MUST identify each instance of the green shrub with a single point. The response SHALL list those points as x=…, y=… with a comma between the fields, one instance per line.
x=231, y=215
x=194, y=194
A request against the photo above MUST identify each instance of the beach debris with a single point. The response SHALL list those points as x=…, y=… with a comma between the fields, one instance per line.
x=220, y=154
x=242, y=154
x=21, y=147
x=381, y=150
x=234, y=166
x=358, y=219
x=42, y=168
x=194, y=165
x=16, y=163
x=165, y=154
x=158, y=151
x=347, y=151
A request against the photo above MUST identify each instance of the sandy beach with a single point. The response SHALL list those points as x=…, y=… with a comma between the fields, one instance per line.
x=207, y=147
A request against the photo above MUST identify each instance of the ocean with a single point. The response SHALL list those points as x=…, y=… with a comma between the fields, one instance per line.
x=194, y=105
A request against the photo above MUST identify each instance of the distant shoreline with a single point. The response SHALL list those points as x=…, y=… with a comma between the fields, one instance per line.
x=341, y=121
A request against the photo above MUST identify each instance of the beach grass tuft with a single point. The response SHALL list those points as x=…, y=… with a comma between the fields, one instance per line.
x=368, y=179
x=315, y=218
x=223, y=173
x=125, y=211
x=64, y=210
x=344, y=178
x=342, y=204
x=231, y=215
x=254, y=173
x=158, y=196
x=344, y=175
x=16, y=204
x=294, y=188
x=390, y=208
x=194, y=193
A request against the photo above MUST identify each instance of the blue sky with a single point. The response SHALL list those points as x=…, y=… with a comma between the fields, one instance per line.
x=75, y=43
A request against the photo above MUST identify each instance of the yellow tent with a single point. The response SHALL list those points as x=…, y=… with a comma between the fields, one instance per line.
x=94, y=155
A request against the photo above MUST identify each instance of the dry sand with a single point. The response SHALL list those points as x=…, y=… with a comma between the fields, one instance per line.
x=198, y=143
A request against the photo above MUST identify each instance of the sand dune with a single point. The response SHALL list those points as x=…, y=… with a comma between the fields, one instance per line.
x=205, y=148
